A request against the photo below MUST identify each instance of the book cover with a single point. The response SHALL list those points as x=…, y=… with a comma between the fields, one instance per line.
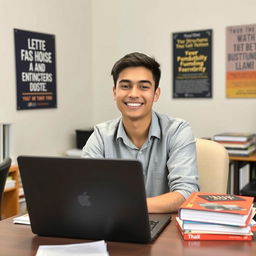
x=217, y=208
x=203, y=235
x=201, y=227
x=233, y=136
x=188, y=236
x=244, y=152
x=236, y=145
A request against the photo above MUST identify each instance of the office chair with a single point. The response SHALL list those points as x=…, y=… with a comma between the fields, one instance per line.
x=213, y=166
x=4, y=168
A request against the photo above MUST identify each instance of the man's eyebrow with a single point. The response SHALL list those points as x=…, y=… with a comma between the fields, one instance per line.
x=145, y=81
x=129, y=81
x=139, y=82
x=124, y=81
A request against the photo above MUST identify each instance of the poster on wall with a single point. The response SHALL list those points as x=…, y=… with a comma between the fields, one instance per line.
x=192, y=64
x=35, y=70
x=241, y=61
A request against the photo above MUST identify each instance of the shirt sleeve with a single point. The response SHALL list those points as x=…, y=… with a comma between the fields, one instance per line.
x=94, y=147
x=182, y=163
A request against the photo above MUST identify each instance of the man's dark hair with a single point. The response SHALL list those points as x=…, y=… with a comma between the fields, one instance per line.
x=137, y=59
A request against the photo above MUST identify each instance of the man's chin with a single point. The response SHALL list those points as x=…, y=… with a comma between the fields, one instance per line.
x=134, y=117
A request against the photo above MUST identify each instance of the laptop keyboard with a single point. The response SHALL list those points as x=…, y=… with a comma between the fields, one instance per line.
x=152, y=224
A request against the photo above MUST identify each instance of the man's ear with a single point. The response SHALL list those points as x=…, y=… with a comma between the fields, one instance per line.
x=157, y=94
x=114, y=92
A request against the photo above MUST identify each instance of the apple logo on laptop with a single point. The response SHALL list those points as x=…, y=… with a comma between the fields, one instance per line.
x=84, y=199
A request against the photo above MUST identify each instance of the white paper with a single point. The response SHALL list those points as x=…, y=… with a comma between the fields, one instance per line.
x=81, y=249
x=23, y=219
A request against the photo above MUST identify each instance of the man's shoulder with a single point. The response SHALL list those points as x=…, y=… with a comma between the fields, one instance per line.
x=108, y=127
x=167, y=121
x=174, y=129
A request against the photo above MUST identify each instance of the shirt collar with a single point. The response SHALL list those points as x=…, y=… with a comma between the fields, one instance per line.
x=154, y=130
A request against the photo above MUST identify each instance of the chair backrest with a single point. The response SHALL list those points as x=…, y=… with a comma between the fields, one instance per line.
x=4, y=168
x=213, y=166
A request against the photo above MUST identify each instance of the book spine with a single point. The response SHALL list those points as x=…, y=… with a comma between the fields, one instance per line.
x=216, y=237
x=205, y=236
x=185, y=203
x=227, y=139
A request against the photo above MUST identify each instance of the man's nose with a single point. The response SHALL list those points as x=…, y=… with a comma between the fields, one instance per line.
x=134, y=92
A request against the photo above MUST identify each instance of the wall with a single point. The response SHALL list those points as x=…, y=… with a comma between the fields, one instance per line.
x=121, y=26
x=48, y=131
x=90, y=36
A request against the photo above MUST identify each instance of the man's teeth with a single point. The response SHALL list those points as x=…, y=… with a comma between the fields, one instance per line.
x=134, y=104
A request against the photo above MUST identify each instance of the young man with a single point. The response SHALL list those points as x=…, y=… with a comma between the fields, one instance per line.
x=164, y=145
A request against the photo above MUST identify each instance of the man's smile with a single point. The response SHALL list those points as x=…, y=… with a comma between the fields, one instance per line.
x=133, y=105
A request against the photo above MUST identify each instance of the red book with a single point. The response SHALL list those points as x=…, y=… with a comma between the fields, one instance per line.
x=205, y=236
x=218, y=208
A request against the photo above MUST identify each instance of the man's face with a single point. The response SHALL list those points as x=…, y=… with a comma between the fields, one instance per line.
x=135, y=93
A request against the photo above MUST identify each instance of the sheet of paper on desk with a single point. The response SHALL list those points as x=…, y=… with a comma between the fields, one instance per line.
x=98, y=248
x=23, y=219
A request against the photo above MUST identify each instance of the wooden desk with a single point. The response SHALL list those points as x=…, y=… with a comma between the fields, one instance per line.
x=238, y=162
x=18, y=240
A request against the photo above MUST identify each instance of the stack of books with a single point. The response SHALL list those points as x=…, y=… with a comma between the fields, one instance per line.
x=237, y=143
x=208, y=216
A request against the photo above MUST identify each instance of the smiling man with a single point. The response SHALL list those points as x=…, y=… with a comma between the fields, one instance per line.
x=165, y=146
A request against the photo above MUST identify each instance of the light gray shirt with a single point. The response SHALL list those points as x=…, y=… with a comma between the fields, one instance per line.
x=168, y=156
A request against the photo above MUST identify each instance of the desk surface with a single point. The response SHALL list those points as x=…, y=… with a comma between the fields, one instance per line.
x=250, y=158
x=19, y=240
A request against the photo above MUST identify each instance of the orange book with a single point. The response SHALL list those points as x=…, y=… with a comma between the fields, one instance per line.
x=208, y=236
x=218, y=208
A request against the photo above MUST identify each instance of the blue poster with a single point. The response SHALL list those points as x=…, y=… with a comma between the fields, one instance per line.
x=35, y=70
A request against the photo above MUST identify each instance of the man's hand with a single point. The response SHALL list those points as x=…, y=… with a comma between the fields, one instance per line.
x=169, y=202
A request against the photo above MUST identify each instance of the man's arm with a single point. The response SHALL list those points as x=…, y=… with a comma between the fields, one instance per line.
x=182, y=176
x=94, y=146
x=168, y=202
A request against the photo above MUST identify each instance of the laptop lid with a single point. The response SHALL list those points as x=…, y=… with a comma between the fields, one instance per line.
x=86, y=198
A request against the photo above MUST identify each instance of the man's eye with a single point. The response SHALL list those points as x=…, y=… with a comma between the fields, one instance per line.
x=144, y=87
x=124, y=86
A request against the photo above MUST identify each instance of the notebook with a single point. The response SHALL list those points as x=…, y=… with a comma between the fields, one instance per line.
x=88, y=198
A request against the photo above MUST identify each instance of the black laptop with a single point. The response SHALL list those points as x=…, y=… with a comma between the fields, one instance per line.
x=88, y=198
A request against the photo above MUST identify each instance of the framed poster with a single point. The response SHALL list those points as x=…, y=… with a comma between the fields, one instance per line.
x=241, y=61
x=192, y=64
x=35, y=70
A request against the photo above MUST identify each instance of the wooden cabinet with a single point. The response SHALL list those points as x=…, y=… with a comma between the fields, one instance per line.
x=10, y=205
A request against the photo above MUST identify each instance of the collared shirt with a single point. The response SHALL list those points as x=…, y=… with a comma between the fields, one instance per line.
x=168, y=156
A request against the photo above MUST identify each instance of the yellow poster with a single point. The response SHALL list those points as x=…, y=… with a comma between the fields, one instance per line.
x=241, y=61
